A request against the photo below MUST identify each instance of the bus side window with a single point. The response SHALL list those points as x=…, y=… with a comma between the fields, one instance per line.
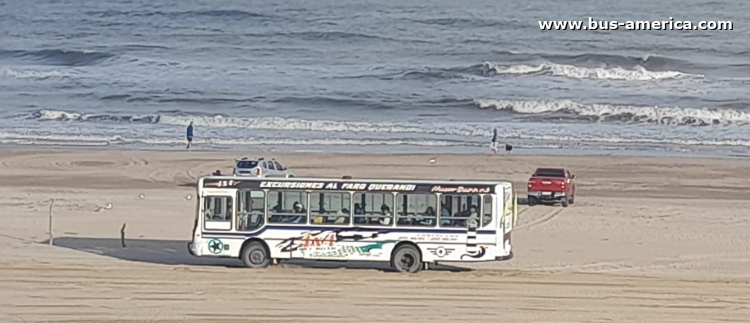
x=458, y=210
x=251, y=206
x=287, y=207
x=486, y=210
x=330, y=208
x=373, y=209
x=416, y=209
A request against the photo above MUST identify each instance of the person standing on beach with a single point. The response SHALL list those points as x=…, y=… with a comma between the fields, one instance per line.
x=189, y=135
x=494, y=143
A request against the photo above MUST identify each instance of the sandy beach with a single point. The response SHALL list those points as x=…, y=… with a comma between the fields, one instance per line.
x=648, y=240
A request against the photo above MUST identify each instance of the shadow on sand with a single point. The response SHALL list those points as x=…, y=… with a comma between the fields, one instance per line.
x=175, y=252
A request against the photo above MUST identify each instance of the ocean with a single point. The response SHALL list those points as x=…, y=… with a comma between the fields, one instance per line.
x=374, y=76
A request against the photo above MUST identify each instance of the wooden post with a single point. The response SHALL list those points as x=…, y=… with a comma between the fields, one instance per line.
x=51, y=236
x=122, y=235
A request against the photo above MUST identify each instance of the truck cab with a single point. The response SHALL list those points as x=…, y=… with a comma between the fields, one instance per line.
x=550, y=186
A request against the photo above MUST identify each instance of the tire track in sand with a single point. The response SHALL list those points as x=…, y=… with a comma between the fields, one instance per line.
x=541, y=220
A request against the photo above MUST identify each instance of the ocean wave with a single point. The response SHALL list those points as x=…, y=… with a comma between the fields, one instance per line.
x=650, y=62
x=55, y=115
x=521, y=139
x=464, y=22
x=548, y=110
x=291, y=131
x=333, y=36
x=58, y=56
x=546, y=68
x=234, y=14
x=638, y=73
x=339, y=101
x=31, y=74
x=276, y=123
x=104, y=140
x=265, y=123
x=606, y=112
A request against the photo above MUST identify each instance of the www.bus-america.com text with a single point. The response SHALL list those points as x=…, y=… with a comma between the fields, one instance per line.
x=670, y=24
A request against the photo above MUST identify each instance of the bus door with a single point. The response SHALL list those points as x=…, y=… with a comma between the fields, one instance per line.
x=506, y=208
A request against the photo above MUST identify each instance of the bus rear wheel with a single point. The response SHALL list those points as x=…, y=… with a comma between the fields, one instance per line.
x=255, y=255
x=406, y=259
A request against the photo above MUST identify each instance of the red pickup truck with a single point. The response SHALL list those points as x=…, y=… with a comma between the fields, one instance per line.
x=552, y=185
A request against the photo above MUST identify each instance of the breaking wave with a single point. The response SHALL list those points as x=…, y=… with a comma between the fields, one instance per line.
x=606, y=112
x=221, y=130
x=265, y=123
x=574, y=70
x=637, y=73
x=75, y=116
x=30, y=74
x=674, y=116
x=649, y=62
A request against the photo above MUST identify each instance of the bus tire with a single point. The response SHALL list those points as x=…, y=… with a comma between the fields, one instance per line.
x=255, y=255
x=406, y=259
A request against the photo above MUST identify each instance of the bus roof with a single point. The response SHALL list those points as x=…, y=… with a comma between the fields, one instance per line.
x=354, y=184
x=357, y=180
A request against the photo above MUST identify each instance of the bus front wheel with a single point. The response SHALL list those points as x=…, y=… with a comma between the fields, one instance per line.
x=406, y=259
x=255, y=255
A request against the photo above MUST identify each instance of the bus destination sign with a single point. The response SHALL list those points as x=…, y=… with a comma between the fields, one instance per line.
x=340, y=186
x=352, y=186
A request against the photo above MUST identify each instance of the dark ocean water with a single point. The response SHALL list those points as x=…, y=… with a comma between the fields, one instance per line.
x=375, y=76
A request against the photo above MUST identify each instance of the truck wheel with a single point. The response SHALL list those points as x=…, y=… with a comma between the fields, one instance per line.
x=406, y=259
x=255, y=255
x=565, y=202
x=572, y=199
x=531, y=201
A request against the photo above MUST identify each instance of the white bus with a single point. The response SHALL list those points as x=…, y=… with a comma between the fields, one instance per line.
x=409, y=223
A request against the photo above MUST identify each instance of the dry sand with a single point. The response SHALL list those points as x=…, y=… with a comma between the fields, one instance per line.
x=648, y=240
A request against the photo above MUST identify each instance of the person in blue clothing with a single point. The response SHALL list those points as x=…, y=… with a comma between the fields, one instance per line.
x=189, y=135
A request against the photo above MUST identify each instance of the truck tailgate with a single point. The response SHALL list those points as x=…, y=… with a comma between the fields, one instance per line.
x=547, y=184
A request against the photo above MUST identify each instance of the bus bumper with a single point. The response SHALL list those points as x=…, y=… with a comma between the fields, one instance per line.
x=503, y=258
x=190, y=248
